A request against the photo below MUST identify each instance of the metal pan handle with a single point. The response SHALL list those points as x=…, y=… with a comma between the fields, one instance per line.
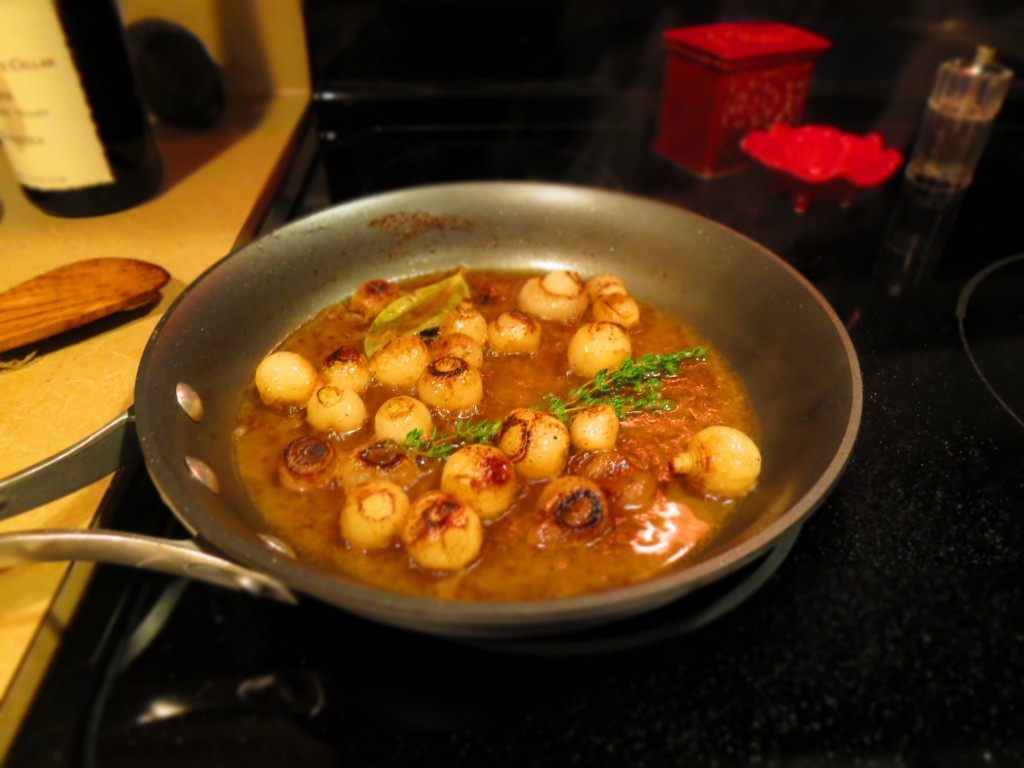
x=104, y=451
x=178, y=558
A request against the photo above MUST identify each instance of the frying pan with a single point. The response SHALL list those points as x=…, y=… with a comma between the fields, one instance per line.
x=775, y=329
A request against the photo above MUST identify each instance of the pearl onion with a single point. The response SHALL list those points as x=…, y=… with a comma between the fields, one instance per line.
x=442, y=532
x=483, y=476
x=598, y=346
x=400, y=362
x=307, y=462
x=720, y=461
x=617, y=308
x=374, y=514
x=377, y=460
x=331, y=409
x=556, y=296
x=570, y=510
x=286, y=379
x=466, y=320
x=595, y=428
x=599, y=286
x=514, y=333
x=622, y=478
x=537, y=443
x=459, y=345
x=373, y=296
x=399, y=416
x=452, y=383
x=347, y=368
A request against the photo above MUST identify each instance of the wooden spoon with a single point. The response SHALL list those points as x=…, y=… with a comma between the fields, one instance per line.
x=74, y=295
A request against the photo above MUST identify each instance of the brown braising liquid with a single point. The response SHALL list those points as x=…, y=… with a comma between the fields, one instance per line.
x=517, y=562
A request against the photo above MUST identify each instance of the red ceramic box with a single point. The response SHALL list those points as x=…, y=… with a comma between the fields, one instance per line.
x=723, y=80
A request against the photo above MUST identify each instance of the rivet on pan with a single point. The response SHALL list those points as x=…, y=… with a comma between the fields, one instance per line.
x=201, y=471
x=189, y=401
x=277, y=545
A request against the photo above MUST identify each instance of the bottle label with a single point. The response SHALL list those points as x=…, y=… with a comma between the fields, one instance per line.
x=46, y=123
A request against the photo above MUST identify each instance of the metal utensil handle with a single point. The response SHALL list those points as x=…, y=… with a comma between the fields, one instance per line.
x=178, y=558
x=104, y=451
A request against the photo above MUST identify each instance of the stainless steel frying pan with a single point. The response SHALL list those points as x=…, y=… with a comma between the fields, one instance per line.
x=775, y=329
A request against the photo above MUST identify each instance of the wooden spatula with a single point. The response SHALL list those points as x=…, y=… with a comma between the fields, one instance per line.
x=74, y=295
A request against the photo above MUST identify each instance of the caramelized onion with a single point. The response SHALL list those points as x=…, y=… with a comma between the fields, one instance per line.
x=482, y=475
x=347, y=368
x=571, y=509
x=373, y=296
x=452, y=383
x=622, y=478
x=374, y=514
x=286, y=379
x=514, y=333
x=720, y=461
x=537, y=443
x=442, y=532
x=308, y=462
x=378, y=460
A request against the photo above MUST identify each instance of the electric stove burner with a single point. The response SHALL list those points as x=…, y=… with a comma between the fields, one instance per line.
x=990, y=314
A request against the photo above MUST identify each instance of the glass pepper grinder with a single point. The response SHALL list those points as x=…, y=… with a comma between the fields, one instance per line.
x=964, y=101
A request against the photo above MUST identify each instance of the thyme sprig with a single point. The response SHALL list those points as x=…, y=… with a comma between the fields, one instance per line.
x=634, y=387
x=441, y=445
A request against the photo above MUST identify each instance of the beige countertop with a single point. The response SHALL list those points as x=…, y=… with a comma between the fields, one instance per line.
x=216, y=189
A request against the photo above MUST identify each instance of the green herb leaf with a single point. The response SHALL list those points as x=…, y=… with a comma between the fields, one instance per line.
x=441, y=445
x=423, y=308
x=635, y=386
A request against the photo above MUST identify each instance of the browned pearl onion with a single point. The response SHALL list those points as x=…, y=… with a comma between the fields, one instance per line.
x=399, y=416
x=307, y=462
x=377, y=460
x=536, y=442
x=459, y=345
x=598, y=346
x=373, y=296
x=617, y=308
x=466, y=320
x=286, y=379
x=347, y=368
x=483, y=476
x=622, y=478
x=514, y=333
x=401, y=361
x=451, y=383
x=603, y=285
x=595, y=428
x=720, y=461
x=558, y=295
x=442, y=532
x=570, y=510
x=331, y=409
x=374, y=514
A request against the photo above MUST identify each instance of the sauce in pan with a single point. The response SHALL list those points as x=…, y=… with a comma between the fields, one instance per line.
x=649, y=519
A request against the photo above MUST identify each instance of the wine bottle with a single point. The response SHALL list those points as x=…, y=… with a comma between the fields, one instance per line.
x=73, y=127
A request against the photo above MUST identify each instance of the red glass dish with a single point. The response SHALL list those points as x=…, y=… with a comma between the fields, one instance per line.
x=821, y=155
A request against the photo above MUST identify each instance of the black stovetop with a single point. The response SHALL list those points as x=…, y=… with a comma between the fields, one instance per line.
x=889, y=633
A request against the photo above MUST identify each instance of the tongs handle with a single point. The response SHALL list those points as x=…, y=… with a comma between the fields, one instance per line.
x=103, y=452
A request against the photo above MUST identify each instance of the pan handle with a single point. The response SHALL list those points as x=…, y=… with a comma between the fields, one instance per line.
x=178, y=558
x=106, y=450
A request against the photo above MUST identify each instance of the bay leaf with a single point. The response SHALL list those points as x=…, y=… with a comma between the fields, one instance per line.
x=417, y=311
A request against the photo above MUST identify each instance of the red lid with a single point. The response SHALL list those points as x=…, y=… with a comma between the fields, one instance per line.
x=738, y=40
